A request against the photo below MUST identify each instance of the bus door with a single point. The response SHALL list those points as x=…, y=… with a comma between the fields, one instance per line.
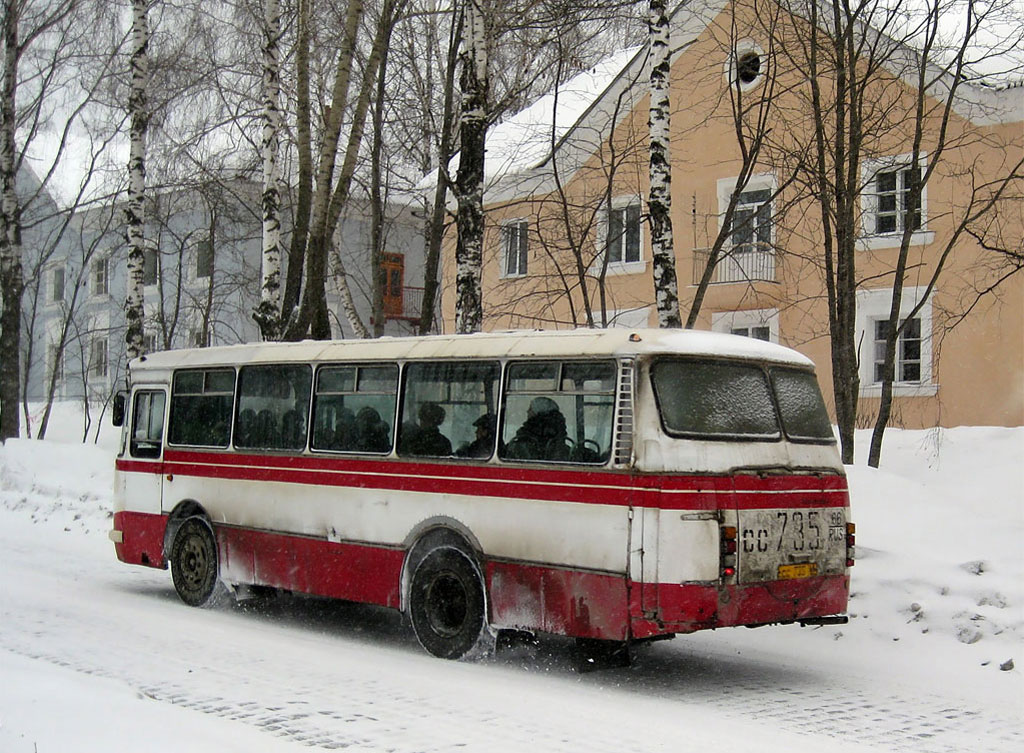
x=143, y=476
x=678, y=544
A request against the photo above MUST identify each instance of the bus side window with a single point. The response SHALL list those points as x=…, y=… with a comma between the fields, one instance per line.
x=273, y=403
x=559, y=411
x=201, y=401
x=354, y=408
x=148, y=424
x=448, y=408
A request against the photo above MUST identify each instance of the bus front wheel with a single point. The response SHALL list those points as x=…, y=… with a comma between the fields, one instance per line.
x=446, y=604
x=194, y=563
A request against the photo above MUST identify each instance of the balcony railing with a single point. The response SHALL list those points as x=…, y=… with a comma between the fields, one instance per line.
x=747, y=262
x=407, y=308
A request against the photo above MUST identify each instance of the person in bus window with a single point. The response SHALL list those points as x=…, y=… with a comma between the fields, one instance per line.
x=542, y=435
x=425, y=438
x=371, y=432
x=483, y=445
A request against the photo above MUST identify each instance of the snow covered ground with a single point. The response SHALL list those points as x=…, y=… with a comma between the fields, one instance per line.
x=100, y=656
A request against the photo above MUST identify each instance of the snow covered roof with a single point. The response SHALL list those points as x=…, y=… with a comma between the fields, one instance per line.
x=517, y=344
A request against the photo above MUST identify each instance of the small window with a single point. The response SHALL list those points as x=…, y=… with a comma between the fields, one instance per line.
x=148, y=424
x=57, y=285
x=199, y=338
x=559, y=411
x=100, y=279
x=908, y=350
x=273, y=405
x=354, y=408
x=444, y=406
x=98, y=357
x=714, y=399
x=150, y=266
x=201, y=401
x=752, y=222
x=514, y=243
x=895, y=207
x=204, y=260
x=804, y=417
x=623, y=245
x=149, y=342
x=748, y=67
x=762, y=332
x=392, y=284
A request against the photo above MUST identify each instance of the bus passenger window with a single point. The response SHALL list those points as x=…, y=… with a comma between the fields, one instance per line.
x=353, y=408
x=448, y=408
x=273, y=403
x=201, y=401
x=559, y=411
x=148, y=424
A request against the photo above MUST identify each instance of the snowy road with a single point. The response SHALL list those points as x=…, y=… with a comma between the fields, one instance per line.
x=334, y=676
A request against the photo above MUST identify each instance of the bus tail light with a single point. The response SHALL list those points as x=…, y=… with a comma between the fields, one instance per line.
x=851, y=541
x=728, y=551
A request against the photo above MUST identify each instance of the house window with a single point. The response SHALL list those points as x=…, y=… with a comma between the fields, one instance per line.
x=908, y=350
x=392, y=283
x=204, y=260
x=750, y=254
x=913, y=374
x=100, y=278
x=895, y=208
x=752, y=222
x=149, y=342
x=761, y=324
x=199, y=338
x=150, y=266
x=57, y=285
x=98, y=357
x=55, y=362
x=515, y=245
x=623, y=244
x=746, y=66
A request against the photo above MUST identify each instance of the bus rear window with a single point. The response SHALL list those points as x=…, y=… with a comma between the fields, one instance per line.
x=714, y=399
x=803, y=412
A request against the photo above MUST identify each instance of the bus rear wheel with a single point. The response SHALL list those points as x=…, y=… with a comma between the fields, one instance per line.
x=194, y=567
x=446, y=604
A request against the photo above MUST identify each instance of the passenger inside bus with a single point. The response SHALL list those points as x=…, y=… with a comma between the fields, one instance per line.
x=542, y=436
x=371, y=432
x=425, y=438
x=483, y=445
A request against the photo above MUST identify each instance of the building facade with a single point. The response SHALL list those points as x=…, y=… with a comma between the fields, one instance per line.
x=567, y=242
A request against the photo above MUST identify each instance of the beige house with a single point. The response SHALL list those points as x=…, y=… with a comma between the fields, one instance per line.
x=567, y=245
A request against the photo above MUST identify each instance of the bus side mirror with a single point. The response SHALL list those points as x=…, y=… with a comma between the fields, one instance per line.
x=117, y=414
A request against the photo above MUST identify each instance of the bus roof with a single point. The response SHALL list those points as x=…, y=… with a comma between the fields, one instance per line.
x=515, y=344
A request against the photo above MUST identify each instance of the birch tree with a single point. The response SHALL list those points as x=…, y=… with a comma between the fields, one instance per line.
x=268, y=312
x=469, y=183
x=666, y=288
x=134, y=309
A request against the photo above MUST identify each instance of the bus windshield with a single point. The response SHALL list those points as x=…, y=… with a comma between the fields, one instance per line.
x=728, y=400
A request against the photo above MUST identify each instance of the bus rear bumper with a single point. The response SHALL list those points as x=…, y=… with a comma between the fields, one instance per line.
x=686, y=608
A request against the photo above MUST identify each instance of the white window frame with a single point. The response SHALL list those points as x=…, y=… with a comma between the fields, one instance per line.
x=759, y=182
x=97, y=290
x=869, y=238
x=744, y=47
x=521, y=227
x=618, y=204
x=873, y=305
x=728, y=321
x=635, y=318
x=52, y=298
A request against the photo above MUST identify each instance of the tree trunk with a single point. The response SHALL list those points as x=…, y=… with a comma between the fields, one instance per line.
x=469, y=184
x=666, y=289
x=134, y=310
x=12, y=284
x=268, y=312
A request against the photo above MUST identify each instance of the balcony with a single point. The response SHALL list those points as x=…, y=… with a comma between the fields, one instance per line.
x=407, y=307
x=747, y=262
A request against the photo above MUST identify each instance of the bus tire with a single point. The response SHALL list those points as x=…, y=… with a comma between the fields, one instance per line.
x=194, y=567
x=446, y=603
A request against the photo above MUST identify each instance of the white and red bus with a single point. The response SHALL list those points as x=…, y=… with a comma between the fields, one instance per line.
x=613, y=485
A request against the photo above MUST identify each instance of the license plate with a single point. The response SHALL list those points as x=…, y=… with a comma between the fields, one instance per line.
x=801, y=570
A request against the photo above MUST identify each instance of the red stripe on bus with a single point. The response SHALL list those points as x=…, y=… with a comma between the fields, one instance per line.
x=671, y=492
